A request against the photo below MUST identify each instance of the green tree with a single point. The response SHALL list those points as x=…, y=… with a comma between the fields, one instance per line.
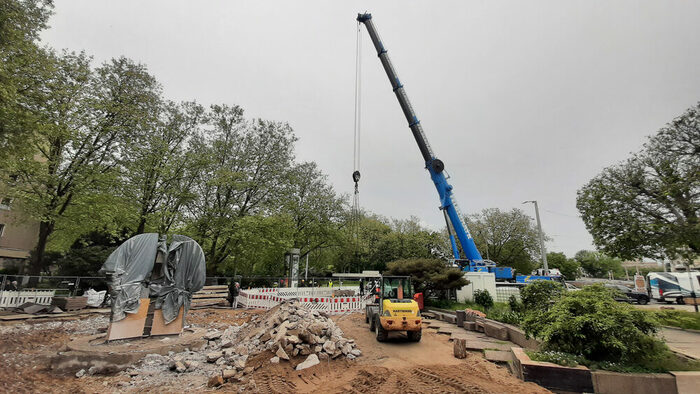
x=598, y=265
x=23, y=65
x=568, y=267
x=258, y=244
x=649, y=205
x=407, y=239
x=429, y=276
x=89, y=252
x=356, y=250
x=508, y=238
x=160, y=170
x=86, y=120
x=247, y=162
x=315, y=209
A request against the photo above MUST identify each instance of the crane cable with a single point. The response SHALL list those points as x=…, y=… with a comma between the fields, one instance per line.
x=355, y=214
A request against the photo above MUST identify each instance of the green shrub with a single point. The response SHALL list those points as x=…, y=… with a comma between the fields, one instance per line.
x=515, y=304
x=560, y=358
x=483, y=298
x=540, y=294
x=503, y=313
x=589, y=323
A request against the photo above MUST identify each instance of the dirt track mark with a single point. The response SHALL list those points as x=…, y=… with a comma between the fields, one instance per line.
x=274, y=384
x=434, y=378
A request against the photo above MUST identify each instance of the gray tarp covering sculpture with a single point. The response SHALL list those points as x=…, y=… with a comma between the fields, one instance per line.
x=184, y=274
x=126, y=269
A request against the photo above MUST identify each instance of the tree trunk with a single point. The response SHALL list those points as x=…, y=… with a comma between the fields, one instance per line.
x=142, y=226
x=37, y=264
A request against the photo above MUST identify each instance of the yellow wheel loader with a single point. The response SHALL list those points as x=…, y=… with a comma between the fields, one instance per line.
x=393, y=308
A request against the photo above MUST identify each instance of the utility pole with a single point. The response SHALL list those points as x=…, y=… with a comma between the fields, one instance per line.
x=692, y=286
x=539, y=229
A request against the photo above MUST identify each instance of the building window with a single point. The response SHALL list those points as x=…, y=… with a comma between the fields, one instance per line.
x=5, y=203
x=2, y=229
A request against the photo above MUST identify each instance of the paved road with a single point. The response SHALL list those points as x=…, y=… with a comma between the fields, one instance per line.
x=684, y=342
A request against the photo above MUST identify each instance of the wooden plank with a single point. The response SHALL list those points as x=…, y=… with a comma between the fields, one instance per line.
x=132, y=325
x=173, y=328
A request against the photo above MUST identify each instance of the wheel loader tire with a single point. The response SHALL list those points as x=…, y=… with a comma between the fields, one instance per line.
x=379, y=331
x=414, y=336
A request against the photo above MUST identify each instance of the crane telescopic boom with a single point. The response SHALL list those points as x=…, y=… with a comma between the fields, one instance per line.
x=434, y=165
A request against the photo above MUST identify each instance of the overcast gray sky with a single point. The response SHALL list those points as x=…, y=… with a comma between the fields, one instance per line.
x=521, y=100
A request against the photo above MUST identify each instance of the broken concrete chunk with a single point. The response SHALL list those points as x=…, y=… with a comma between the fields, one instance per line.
x=80, y=373
x=329, y=347
x=216, y=380
x=213, y=356
x=309, y=362
x=282, y=354
x=356, y=352
x=212, y=335
x=242, y=350
x=275, y=360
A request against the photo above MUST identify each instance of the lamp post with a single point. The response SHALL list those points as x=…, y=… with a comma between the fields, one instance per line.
x=539, y=230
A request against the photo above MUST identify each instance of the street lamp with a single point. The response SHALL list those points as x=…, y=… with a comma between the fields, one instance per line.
x=539, y=228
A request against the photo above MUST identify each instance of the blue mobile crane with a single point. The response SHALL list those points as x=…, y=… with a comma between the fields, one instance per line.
x=472, y=260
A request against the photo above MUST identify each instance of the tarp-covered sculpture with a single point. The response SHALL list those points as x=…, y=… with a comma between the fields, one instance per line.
x=126, y=269
x=184, y=274
x=129, y=274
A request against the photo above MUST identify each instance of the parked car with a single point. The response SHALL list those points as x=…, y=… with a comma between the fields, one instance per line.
x=625, y=294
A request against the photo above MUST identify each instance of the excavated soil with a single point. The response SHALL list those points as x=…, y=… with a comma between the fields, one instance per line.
x=397, y=366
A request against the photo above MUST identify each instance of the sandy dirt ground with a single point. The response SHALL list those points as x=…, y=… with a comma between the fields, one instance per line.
x=397, y=366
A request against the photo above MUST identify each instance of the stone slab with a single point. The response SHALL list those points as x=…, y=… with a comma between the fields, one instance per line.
x=498, y=355
x=552, y=376
x=495, y=330
x=687, y=382
x=484, y=345
x=639, y=383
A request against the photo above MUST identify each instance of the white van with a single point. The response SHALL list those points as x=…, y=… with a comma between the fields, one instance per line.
x=672, y=286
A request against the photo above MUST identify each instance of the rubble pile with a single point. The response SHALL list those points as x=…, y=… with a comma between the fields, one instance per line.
x=288, y=331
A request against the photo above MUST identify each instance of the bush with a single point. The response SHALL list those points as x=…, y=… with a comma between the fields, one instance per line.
x=589, y=323
x=540, y=294
x=515, y=304
x=483, y=298
x=505, y=315
x=565, y=359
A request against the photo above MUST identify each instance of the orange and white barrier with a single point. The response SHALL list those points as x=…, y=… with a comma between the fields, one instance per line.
x=316, y=298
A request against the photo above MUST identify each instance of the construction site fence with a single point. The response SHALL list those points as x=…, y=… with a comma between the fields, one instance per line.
x=18, y=289
x=314, y=298
x=503, y=293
